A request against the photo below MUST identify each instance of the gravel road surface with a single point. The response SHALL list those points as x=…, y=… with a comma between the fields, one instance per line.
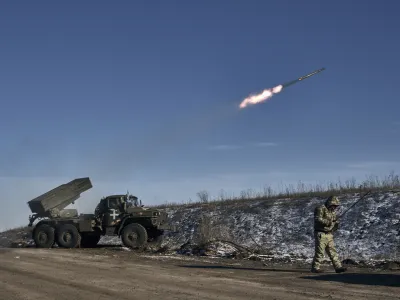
x=38, y=274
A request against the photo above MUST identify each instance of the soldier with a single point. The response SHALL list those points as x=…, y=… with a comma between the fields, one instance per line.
x=325, y=223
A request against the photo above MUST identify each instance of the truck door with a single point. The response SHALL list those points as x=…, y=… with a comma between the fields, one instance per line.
x=111, y=215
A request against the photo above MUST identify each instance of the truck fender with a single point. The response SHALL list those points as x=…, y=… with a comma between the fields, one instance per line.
x=121, y=226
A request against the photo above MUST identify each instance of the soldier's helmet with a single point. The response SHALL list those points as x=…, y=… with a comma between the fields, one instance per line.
x=332, y=201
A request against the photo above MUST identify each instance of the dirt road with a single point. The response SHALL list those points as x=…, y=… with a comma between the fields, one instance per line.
x=94, y=274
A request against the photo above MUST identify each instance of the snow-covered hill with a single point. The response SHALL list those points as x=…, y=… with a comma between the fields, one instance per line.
x=370, y=230
x=284, y=227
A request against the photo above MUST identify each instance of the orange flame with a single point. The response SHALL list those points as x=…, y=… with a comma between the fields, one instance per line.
x=261, y=97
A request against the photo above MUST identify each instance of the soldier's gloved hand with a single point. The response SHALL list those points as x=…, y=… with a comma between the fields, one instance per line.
x=336, y=226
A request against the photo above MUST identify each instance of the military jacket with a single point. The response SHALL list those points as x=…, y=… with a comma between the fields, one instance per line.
x=324, y=219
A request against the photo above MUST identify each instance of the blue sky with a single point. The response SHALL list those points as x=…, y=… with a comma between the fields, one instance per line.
x=144, y=96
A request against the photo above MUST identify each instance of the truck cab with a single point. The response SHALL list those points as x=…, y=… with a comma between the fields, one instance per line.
x=110, y=211
x=116, y=211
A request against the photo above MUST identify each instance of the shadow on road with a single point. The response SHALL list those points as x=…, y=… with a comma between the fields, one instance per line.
x=243, y=268
x=360, y=278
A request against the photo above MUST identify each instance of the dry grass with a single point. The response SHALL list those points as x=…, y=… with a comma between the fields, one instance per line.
x=209, y=229
x=301, y=190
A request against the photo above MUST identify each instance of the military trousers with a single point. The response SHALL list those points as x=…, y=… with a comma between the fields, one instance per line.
x=324, y=243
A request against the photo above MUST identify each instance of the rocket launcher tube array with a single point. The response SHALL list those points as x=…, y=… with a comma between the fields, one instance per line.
x=60, y=197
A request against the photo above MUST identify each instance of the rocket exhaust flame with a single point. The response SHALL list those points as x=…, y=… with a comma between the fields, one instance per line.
x=268, y=93
x=261, y=97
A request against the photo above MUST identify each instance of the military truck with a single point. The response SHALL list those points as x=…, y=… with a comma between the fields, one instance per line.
x=115, y=215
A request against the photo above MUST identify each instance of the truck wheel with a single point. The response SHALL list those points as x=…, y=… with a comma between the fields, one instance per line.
x=43, y=235
x=134, y=236
x=90, y=241
x=68, y=236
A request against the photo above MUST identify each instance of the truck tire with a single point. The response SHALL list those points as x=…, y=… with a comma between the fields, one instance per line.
x=89, y=241
x=134, y=236
x=68, y=236
x=43, y=236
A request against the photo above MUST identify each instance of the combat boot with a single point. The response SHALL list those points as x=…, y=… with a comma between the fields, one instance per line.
x=341, y=270
x=313, y=270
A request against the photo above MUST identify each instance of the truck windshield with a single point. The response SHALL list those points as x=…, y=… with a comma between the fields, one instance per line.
x=132, y=201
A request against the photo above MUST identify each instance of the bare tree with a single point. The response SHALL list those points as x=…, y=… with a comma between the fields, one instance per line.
x=203, y=196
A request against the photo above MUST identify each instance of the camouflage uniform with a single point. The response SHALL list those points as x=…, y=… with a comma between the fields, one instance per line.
x=325, y=224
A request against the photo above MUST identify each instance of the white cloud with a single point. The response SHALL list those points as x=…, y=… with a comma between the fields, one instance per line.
x=233, y=147
x=266, y=144
x=373, y=164
x=224, y=147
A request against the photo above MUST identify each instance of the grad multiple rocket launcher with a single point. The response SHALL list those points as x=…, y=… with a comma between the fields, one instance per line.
x=115, y=215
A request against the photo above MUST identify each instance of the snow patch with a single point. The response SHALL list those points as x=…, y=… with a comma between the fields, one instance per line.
x=284, y=227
